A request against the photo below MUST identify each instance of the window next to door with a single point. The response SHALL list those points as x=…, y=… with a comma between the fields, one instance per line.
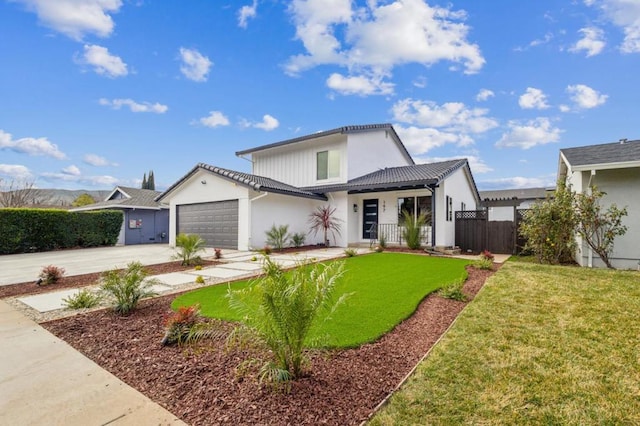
x=416, y=206
x=328, y=164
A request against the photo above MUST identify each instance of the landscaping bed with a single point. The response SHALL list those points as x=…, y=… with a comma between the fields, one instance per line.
x=200, y=383
x=77, y=281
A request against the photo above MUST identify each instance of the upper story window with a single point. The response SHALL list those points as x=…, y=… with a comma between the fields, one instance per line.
x=328, y=164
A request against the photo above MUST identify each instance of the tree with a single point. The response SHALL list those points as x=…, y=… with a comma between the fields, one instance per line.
x=144, y=182
x=20, y=193
x=149, y=183
x=549, y=227
x=597, y=226
x=83, y=200
x=279, y=311
x=323, y=218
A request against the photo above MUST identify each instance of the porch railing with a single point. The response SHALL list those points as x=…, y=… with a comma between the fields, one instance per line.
x=392, y=233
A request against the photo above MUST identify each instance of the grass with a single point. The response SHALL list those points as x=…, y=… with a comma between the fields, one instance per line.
x=386, y=287
x=539, y=345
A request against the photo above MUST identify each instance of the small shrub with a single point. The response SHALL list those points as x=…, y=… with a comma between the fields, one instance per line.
x=297, y=239
x=350, y=252
x=199, y=279
x=198, y=268
x=483, y=263
x=254, y=258
x=382, y=241
x=277, y=236
x=412, y=232
x=217, y=253
x=188, y=246
x=486, y=254
x=84, y=299
x=178, y=326
x=127, y=287
x=50, y=275
x=378, y=249
x=453, y=291
x=267, y=250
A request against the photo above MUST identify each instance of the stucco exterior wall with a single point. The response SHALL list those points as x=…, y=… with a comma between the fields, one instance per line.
x=215, y=188
x=371, y=151
x=622, y=187
x=458, y=187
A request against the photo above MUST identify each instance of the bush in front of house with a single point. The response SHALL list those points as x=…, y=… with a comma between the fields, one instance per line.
x=278, y=236
x=24, y=230
x=188, y=246
x=84, y=299
x=127, y=287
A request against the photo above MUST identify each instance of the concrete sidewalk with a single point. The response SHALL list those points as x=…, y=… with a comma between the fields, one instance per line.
x=20, y=268
x=44, y=381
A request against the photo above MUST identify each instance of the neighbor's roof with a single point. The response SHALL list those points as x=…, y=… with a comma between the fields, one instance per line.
x=257, y=183
x=392, y=178
x=339, y=130
x=134, y=198
x=609, y=153
x=520, y=193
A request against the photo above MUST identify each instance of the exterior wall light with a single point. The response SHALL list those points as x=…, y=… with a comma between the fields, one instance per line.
x=355, y=208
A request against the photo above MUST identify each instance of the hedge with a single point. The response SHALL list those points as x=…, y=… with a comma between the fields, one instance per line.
x=24, y=230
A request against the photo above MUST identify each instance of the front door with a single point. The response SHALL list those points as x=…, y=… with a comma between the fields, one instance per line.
x=369, y=219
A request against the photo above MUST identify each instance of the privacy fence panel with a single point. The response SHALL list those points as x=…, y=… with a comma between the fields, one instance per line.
x=474, y=233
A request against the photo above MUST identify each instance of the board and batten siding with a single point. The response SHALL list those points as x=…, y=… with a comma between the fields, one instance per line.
x=296, y=164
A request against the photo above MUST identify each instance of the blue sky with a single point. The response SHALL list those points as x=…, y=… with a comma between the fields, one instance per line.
x=97, y=92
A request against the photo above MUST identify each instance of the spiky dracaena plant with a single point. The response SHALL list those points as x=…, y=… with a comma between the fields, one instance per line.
x=188, y=246
x=127, y=287
x=323, y=219
x=280, y=309
x=412, y=232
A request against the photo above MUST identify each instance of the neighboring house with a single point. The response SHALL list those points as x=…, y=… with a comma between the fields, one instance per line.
x=502, y=204
x=613, y=168
x=146, y=220
x=364, y=172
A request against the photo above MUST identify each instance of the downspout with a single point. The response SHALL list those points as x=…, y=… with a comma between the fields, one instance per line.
x=251, y=200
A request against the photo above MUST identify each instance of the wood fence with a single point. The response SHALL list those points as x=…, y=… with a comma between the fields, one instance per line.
x=475, y=232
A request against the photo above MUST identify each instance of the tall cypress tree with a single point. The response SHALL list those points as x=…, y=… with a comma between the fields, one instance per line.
x=145, y=184
x=151, y=183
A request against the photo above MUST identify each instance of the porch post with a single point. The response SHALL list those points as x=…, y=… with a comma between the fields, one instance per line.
x=433, y=216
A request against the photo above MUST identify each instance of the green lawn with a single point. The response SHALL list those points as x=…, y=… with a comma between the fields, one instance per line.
x=539, y=345
x=386, y=287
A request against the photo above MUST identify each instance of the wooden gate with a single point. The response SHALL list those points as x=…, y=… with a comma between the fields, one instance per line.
x=474, y=232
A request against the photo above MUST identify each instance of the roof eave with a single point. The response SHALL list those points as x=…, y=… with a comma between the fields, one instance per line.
x=606, y=166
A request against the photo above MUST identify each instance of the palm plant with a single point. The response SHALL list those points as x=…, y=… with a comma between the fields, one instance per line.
x=412, y=232
x=323, y=219
x=278, y=236
x=188, y=246
x=280, y=309
x=127, y=287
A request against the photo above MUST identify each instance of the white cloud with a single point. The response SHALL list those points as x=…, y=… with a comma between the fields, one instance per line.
x=517, y=182
x=585, y=97
x=525, y=135
x=359, y=85
x=533, y=99
x=30, y=146
x=15, y=171
x=592, y=41
x=484, y=94
x=268, y=123
x=71, y=170
x=95, y=181
x=564, y=108
x=75, y=18
x=135, y=106
x=97, y=161
x=477, y=164
x=375, y=38
x=247, y=12
x=103, y=62
x=537, y=42
x=195, y=66
x=449, y=116
x=420, y=140
x=626, y=15
x=214, y=119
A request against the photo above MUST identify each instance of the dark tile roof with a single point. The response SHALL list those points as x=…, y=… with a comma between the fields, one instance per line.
x=257, y=183
x=134, y=198
x=413, y=176
x=607, y=153
x=520, y=193
x=339, y=130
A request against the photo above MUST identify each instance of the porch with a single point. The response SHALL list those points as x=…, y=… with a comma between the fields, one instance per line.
x=392, y=233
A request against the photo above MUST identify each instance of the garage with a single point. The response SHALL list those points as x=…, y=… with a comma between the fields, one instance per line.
x=216, y=222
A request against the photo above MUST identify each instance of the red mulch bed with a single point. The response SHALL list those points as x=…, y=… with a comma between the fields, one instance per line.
x=76, y=281
x=200, y=383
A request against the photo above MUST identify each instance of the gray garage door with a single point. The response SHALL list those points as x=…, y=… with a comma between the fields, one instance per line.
x=216, y=223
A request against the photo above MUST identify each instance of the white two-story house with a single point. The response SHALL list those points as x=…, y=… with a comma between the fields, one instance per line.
x=364, y=172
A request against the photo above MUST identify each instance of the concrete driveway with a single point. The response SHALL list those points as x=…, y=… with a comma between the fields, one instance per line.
x=18, y=268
